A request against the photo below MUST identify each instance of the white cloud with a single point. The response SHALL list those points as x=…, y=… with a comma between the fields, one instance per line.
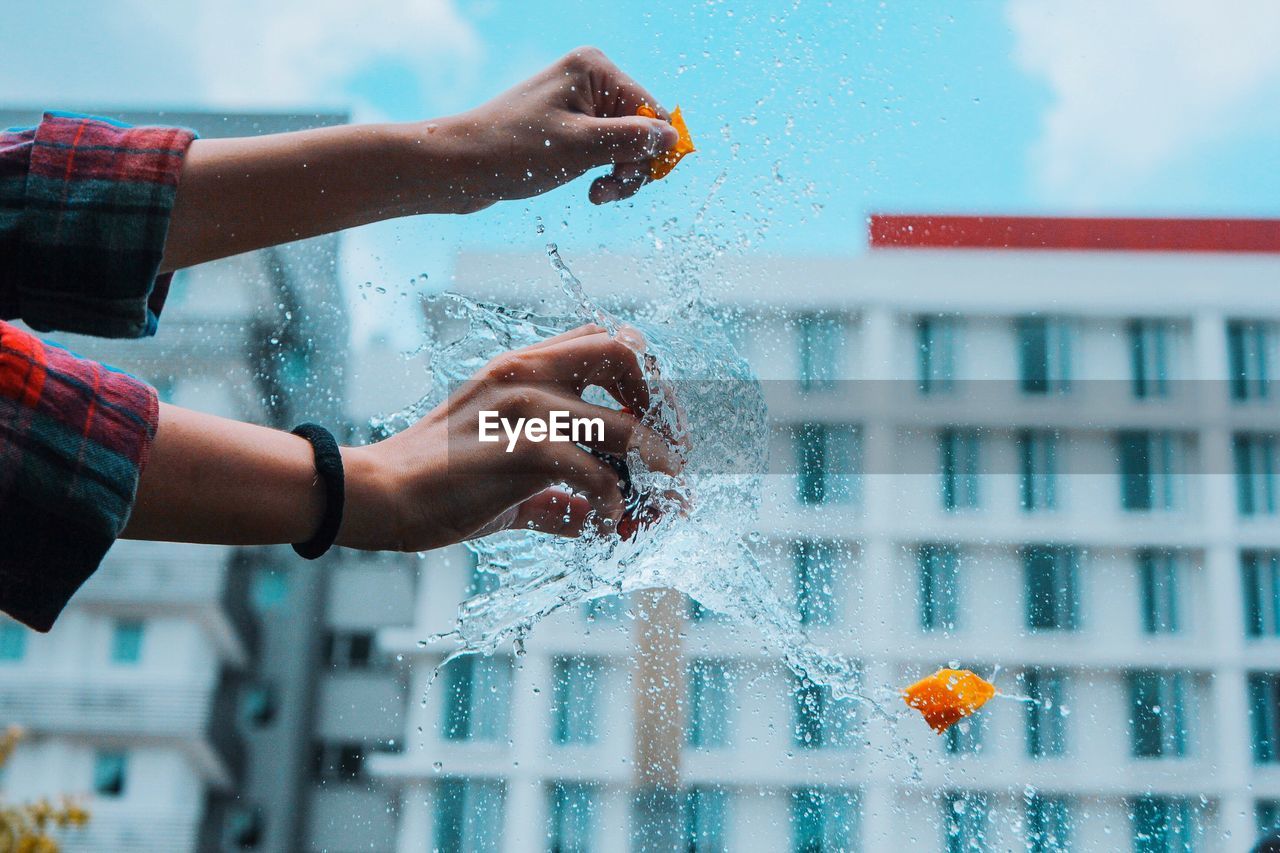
x=230, y=53
x=1139, y=83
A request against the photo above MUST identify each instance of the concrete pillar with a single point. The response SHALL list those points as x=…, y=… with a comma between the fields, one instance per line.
x=659, y=722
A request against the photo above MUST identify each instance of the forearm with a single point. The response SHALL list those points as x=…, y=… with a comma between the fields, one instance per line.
x=218, y=481
x=236, y=195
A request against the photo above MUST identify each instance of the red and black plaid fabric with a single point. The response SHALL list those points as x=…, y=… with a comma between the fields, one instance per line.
x=84, y=207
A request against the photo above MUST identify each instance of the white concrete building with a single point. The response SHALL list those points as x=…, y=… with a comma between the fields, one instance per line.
x=1043, y=445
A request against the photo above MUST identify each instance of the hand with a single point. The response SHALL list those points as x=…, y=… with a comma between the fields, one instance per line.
x=574, y=116
x=435, y=483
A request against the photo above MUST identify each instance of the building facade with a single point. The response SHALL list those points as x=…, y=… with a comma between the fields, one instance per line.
x=1042, y=449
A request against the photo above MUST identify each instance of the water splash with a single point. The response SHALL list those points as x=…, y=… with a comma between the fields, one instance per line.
x=701, y=545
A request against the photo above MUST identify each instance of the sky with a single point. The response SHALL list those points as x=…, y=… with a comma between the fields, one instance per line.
x=808, y=116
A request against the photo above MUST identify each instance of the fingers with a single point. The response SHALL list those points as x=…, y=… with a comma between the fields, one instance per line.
x=619, y=433
x=552, y=511
x=630, y=139
x=622, y=183
x=609, y=362
x=611, y=92
x=588, y=478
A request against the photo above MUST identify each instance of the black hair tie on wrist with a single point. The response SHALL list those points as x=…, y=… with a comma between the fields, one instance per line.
x=329, y=467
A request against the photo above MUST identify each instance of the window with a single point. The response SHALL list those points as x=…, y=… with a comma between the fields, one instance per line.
x=110, y=774
x=575, y=699
x=816, y=579
x=821, y=720
x=126, y=641
x=13, y=641
x=476, y=698
x=337, y=762
x=1159, y=717
x=939, y=587
x=1044, y=355
x=821, y=346
x=959, y=452
x=964, y=817
x=1255, y=462
x=1046, y=722
x=1264, y=715
x=705, y=815
x=243, y=829
x=966, y=736
x=1164, y=825
x=1159, y=574
x=827, y=463
x=1150, y=345
x=1261, y=570
x=571, y=808
x=1038, y=484
x=1267, y=814
x=1048, y=824
x=348, y=649
x=1151, y=470
x=269, y=589
x=824, y=820
x=1249, y=356
x=606, y=608
x=936, y=342
x=1052, y=587
x=469, y=815
x=258, y=706
x=710, y=694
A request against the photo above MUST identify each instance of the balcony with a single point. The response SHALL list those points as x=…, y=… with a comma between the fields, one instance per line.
x=211, y=584
x=131, y=832
x=199, y=720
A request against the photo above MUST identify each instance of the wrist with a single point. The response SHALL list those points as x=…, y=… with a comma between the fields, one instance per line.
x=370, y=522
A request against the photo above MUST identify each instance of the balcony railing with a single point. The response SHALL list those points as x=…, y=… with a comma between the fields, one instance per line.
x=201, y=579
x=143, y=832
x=202, y=717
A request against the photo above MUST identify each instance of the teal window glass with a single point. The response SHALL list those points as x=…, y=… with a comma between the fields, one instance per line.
x=964, y=821
x=939, y=567
x=110, y=773
x=1261, y=576
x=821, y=348
x=1151, y=470
x=822, y=721
x=1150, y=351
x=936, y=342
x=965, y=737
x=1159, y=574
x=269, y=589
x=1048, y=824
x=126, y=641
x=706, y=812
x=575, y=699
x=710, y=704
x=1264, y=716
x=606, y=608
x=828, y=458
x=1038, y=461
x=13, y=640
x=1052, y=587
x=1267, y=815
x=1045, y=717
x=468, y=815
x=571, y=817
x=1044, y=355
x=824, y=819
x=959, y=451
x=1256, y=461
x=817, y=565
x=1164, y=825
x=477, y=695
x=1159, y=717
x=1249, y=356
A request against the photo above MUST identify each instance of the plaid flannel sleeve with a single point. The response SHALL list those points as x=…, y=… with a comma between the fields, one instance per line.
x=84, y=208
x=74, y=435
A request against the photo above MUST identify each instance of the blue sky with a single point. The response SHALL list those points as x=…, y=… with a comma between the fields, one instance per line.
x=811, y=113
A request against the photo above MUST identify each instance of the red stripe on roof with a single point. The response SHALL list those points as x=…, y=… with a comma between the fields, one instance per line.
x=926, y=231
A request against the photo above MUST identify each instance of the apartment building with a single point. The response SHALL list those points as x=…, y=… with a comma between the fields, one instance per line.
x=207, y=698
x=1044, y=449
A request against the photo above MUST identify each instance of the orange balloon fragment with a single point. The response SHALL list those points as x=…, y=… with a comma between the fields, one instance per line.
x=948, y=696
x=661, y=166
